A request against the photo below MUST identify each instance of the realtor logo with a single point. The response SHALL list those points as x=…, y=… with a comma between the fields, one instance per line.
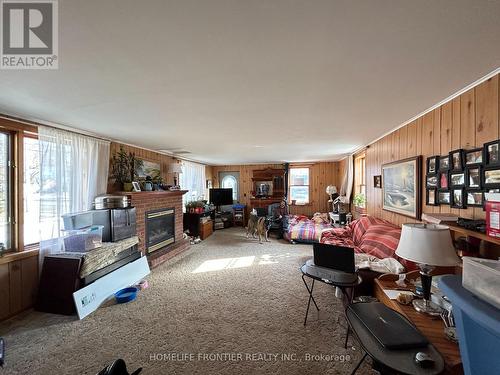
x=29, y=34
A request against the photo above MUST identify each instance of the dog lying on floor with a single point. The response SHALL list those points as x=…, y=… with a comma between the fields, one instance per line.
x=259, y=225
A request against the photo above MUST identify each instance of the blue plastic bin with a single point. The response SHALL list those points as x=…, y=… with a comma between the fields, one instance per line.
x=478, y=328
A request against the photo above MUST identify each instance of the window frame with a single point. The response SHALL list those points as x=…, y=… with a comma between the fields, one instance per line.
x=360, y=176
x=18, y=130
x=290, y=185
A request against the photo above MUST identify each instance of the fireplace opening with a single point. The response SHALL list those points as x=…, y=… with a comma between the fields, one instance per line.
x=160, y=229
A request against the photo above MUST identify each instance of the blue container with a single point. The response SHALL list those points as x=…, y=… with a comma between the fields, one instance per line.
x=478, y=328
x=126, y=295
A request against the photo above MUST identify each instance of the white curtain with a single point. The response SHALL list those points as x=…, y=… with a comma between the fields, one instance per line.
x=73, y=170
x=347, y=181
x=192, y=179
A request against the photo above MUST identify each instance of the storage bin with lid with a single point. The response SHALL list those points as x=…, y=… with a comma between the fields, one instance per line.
x=482, y=278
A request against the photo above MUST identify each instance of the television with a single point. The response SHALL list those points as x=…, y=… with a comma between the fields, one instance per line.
x=221, y=197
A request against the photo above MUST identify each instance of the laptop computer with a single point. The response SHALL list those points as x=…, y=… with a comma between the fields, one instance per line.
x=390, y=329
x=335, y=257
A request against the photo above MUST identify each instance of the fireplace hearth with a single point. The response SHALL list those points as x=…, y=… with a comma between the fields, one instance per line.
x=159, y=229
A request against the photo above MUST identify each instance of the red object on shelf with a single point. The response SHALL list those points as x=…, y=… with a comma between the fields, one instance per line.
x=493, y=219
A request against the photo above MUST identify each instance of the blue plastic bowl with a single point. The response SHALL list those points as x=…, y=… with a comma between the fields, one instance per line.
x=126, y=295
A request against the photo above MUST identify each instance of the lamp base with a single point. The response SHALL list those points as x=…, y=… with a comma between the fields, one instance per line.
x=427, y=307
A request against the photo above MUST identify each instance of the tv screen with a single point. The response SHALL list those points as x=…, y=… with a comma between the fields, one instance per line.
x=221, y=197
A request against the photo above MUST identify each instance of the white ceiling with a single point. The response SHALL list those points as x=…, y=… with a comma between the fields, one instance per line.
x=255, y=81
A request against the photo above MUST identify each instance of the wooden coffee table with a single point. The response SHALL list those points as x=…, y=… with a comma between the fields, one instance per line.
x=431, y=327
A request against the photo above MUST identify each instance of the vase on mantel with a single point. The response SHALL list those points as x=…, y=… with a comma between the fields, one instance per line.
x=127, y=186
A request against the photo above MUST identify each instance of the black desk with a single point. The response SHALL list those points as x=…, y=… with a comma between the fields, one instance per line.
x=391, y=361
x=346, y=288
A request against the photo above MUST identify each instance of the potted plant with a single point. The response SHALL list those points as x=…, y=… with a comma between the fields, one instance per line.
x=124, y=168
x=359, y=201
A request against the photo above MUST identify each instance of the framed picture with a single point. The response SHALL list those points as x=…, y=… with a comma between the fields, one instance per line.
x=491, y=153
x=491, y=177
x=377, y=181
x=457, y=160
x=473, y=177
x=444, y=197
x=457, y=179
x=432, y=181
x=444, y=163
x=148, y=168
x=431, y=197
x=473, y=157
x=475, y=198
x=432, y=164
x=136, y=186
x=458, y=198
x=401, y=187
x=444, y=181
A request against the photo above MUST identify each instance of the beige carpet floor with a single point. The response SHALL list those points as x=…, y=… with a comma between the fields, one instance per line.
x=226, y=306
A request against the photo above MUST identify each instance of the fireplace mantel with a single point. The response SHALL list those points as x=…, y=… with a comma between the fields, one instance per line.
x=145, y=201
x=151, y=193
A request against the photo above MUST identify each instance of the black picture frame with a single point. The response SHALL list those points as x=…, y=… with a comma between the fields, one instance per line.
x=491, y=157
x=377, y=181
x=432, y=181
x=431, y=197
x=474, y=202
x=453, y=184
x=471, y=157
x=444, y=185
x=470, y=172
x=487, y=182
x=456, y=160
x=444, y=197
x=454, y=201
x=444, y=163
x=432, y=164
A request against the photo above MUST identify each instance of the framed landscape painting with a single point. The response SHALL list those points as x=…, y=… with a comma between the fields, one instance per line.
x=401, y=190
x=148, y=168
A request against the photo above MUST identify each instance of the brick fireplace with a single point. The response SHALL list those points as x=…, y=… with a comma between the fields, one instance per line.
x=151, y=205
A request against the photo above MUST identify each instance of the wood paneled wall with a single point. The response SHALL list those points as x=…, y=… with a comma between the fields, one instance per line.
x=141, y=153
x=322, y=174
x=468, y=121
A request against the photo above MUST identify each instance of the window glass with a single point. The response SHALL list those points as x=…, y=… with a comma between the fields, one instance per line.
x=230, y=182
x=31, y=191
x=299, y=185
x=5, y=196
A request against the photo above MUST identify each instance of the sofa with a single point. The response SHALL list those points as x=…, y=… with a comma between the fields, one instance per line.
x=374, y=242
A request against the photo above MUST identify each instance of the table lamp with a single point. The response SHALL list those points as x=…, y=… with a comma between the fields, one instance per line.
x=176, y=169
x=429, y=246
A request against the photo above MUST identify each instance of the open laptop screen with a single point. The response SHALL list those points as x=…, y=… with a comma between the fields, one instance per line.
x=335, y=257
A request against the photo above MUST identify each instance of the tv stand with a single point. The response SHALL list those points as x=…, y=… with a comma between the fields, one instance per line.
x=223, y=220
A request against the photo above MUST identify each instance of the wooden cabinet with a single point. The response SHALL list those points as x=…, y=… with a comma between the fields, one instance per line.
x=18, y=284
x=206, y=229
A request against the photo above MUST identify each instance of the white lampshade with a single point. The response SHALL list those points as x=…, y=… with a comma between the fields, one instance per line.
x=175, y=168
x=427, y=244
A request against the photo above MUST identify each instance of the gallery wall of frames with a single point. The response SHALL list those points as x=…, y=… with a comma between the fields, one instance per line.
x=460, y=178
x=467, y=122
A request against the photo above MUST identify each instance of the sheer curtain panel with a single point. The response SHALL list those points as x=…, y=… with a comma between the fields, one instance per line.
x=73, y=170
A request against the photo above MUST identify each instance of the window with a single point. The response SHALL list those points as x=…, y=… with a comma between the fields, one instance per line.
x=192, y=179
x=360, y=181
x=6, y=203
x=31, y=189
x=229, y=180
x=299, y=185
